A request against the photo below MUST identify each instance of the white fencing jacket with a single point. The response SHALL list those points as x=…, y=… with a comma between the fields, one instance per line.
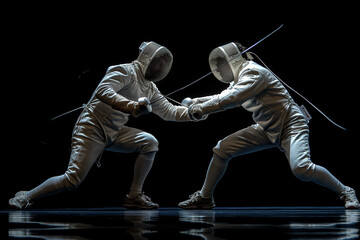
x=127, y=81
x=258, y=91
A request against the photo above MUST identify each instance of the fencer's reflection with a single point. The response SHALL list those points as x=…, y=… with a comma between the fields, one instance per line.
x=31, y=226
x=81, y=224
x=139, y=220
x=343, y=224
x=199, y=216
x=296, y=223
x=346, y=228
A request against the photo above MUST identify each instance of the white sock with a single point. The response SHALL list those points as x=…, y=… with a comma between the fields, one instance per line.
x=215, y=172
x=50, y=186
x=324, y=178
x=142, y=167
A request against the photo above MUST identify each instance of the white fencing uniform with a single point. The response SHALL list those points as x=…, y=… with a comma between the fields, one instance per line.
x=101, y=127
x=104, y=126
x=279, y=123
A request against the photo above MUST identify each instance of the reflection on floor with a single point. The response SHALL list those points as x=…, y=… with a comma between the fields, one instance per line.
x=174, y=223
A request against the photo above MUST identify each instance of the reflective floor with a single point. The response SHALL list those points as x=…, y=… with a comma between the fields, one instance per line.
x=174, y=223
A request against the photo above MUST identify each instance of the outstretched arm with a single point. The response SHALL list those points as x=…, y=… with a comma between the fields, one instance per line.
x=250, y=84
x=167, y=111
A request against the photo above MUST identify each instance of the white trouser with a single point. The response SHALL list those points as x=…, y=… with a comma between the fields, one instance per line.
x=293, y=141
x=88, y=143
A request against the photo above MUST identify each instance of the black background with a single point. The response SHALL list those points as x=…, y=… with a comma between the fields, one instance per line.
x=54, y=63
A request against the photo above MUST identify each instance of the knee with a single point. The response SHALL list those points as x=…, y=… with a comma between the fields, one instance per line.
x=220, y=151
x=71, y=180
x=304, y=172
x=150, y=143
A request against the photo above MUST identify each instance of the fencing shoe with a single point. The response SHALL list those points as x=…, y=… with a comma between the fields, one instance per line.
x=20, y=201
x=196, y=201
x=349, y=197
x=141, y=201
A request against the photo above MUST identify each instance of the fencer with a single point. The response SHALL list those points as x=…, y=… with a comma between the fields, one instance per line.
x=278, y=123
x=126, y=89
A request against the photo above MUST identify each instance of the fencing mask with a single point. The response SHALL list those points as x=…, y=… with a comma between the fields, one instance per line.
x=225, y=61
x=156, y=61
